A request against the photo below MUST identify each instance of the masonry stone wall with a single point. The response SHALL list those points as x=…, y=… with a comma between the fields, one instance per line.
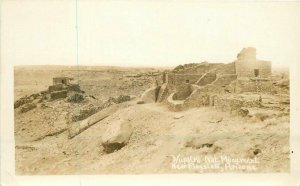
x=206, y=79
x=224, y=80
x=226, y=69
x=197, y=99
x=234, y=103
x=241, y=86
x=247, y=53
x=201, y=69
x=59, y=94
x=174, y=105
x=248, y=68
x=183, y=91
x=247, y=65
x=151, y=94
x=193, y=85
x=61, y=80
x=175, y=80
x=57, y=87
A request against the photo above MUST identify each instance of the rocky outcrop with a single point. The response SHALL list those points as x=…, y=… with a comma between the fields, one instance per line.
x=27, y=107
x=26, y=99
x=116, y=136
x=78, y=127
x=84, y=112
x=22, y=101
x=90, y=109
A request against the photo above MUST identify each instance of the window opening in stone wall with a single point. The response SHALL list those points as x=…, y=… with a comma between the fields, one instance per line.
x=256, y=72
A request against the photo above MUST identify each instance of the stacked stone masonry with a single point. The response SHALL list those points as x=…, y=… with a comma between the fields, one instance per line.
x=192, y=85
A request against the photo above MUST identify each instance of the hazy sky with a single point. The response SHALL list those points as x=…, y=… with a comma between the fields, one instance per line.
x=147, y=33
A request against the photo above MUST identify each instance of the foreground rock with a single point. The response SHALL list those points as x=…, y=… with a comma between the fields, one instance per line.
x=77, y=127
x=116, y=136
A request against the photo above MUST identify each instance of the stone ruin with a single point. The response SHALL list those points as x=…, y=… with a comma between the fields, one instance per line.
x=61, y=88
x=204, y=84
x=62, y=80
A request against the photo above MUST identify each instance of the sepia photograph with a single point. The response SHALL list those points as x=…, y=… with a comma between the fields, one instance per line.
x=193, y=118
x=180, y=90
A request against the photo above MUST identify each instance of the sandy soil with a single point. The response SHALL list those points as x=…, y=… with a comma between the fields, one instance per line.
x=157, y=136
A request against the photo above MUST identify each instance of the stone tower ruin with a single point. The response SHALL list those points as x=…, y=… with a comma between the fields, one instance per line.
x=247, y=65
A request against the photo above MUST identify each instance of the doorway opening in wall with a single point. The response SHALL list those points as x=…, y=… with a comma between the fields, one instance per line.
x=187, y=81
x=63, y=81
x=256, y=72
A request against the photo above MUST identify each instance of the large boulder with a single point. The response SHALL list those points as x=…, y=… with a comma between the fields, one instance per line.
x=116, y=136
x=150, y=95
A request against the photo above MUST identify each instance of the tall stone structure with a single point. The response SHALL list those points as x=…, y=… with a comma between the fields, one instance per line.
x=247, y=65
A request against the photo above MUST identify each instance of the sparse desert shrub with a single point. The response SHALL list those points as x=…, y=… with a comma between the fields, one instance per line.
x=84, y=112
x=120, y=99
x=75, y=98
